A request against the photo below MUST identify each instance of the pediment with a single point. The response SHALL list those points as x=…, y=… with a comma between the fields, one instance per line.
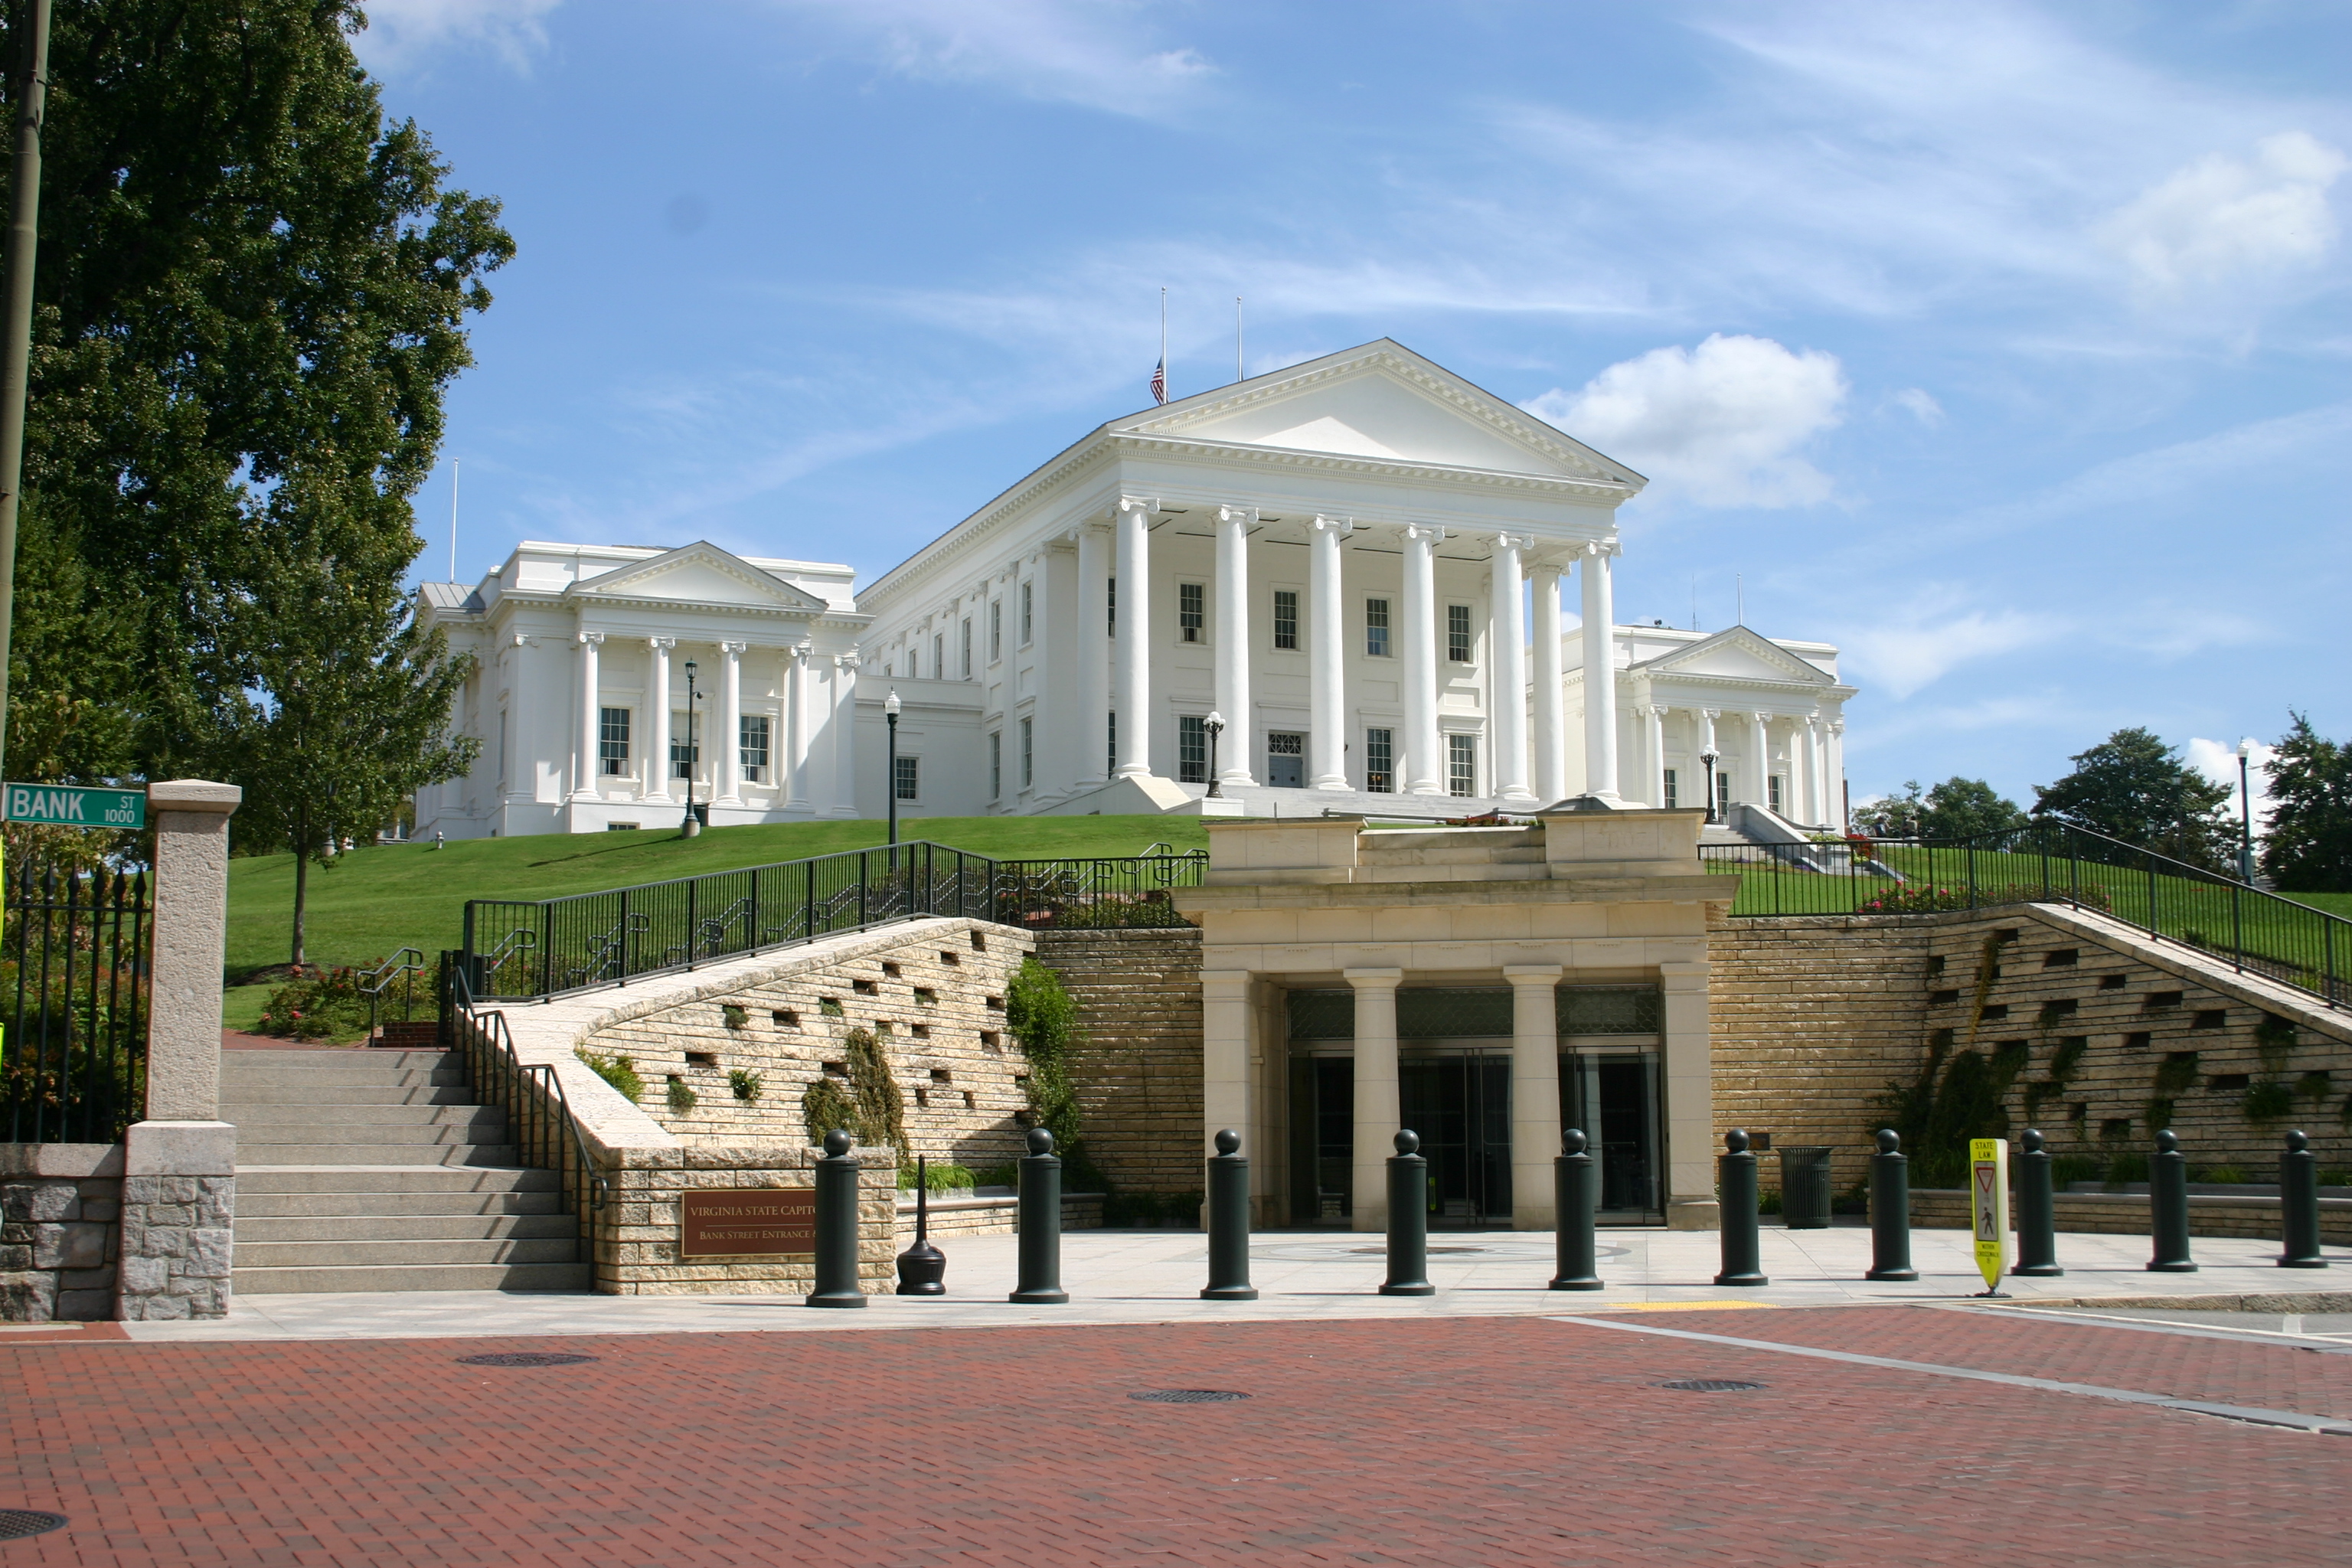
x=1737, y=654
x=698, y=574
x=1384, y=403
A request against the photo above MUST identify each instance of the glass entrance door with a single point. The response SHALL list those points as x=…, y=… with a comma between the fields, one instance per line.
x=1614, y=1097
x=1459, y=1102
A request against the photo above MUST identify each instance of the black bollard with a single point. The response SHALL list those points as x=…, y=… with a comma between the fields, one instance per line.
x=2299, y=1204
x=1408, y=1220
x=1229, y=1232
x=1573, y=1199
x=2037, y=1210
x=2168, y=1204
x=1736, y=1173
x=922, y=1268
x=1039, y=1212
x=1890, y=1210
x=837, y=1224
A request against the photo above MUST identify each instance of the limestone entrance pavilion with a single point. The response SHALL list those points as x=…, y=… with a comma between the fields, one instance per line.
x=1482, y=986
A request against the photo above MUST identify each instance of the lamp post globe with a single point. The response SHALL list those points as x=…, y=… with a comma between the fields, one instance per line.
x=891, y=771
x=1215, y=725
x=692, y=825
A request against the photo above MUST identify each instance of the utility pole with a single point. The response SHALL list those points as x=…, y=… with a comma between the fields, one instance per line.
x=17, y=331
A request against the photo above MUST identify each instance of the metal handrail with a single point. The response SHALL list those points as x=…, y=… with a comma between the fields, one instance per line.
x=508, y=1080
x=408, y=962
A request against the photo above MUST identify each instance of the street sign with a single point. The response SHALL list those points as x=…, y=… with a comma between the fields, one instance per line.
x=73, y=805
x=1989, y=1207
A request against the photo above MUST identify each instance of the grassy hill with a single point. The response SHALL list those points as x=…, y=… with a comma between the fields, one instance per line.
x=385, y=897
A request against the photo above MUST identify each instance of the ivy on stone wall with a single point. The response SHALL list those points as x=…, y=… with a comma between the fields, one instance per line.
x=870, y=1107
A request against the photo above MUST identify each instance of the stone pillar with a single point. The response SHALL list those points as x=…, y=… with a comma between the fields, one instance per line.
x=179, y=1173
x=658, y=718
x=1551, y=695
x=1226, y=1025
x=1599, y=673
x=1131, y=651
x=1093, y=657
x=1506, y=704
x=844, y=731
x=1423, y=772
x=1688, y=1071
x=584, y=734
x=729, y=728
x=1759, y=746
x=1232, y=631
x=1377, y=1108
x=1655, y=727
x=1535, y=1091
x=796, y=725
x=1327, y=676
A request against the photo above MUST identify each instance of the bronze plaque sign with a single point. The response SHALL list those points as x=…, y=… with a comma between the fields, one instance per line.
x=748, y=1222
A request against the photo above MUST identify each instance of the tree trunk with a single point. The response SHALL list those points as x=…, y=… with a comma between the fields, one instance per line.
x=302, y=883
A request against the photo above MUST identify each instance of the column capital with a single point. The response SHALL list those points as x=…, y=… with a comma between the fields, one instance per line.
x=1373, y=979
x=665, y=644
x=590, y=639
x=1712, y=712
x=1601, y=549
x=1417, y=532
x=734, y=650
x=1237, y=514
x=1514, y=541
x=519, y=639
x=847, y=662
x=803, y=652
x=1146, y=504
x=1340, y=526
x=1533, y=973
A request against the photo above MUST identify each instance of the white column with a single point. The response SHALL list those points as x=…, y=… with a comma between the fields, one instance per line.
x=1759, y=746
x=1508, y=692
x=1817, y=813
x=1599, y=607
x=1550, y=705
x=1378, y=1109
x=1225, y=1020
x=844, y=731
x=1834, y=779
x=1423, y=772
x=1131, y=650
x=658, y=718
x=796, y=725
x=1655, y=737
x=1535, y=1091
x=1093, y=657
x=584, y=750
x=1233, y=646
x=728, y=741
x=1326, y=678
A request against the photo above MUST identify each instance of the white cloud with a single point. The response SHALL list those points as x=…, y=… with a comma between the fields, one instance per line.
x=1100, y=56
x=1934, y=635
x=1922, y=406
x=400, y=33
x=2219, y=218
x=1722, y=423
x=2218, y=761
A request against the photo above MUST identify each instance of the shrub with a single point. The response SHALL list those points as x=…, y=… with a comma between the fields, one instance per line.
x=826, y=1107
x=681, y=1098
x=322, y=1004
x=939, y=1178
x=619, y=1071
x=869, y=1107
x=745, y=1083
x=2267, y=1101
x=1044, y=1020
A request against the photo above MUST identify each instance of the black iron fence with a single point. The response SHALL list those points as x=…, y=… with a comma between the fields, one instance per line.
x=518, y=951
x=74, y=954
x=2049, y=862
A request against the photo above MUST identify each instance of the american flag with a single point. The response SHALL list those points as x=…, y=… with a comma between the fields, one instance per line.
x=1159, y=380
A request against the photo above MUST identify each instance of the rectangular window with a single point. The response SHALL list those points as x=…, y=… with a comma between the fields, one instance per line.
x=938, y=656
x=1110, y=604
x=1028, y=753
x=1670, y=789
x=1191, y=613
x=910, y=778
x=1376, y=628
x=1462, y=765
x=1286, y=618
x=1028, y=610
x=1191, y=749
x=683, y=758
x=612, y=742
x=1380, y=761
x=752, y=745
x=1111, y=760
x=995, y=631
x=1723, y=792
x=1457, y=633
x=995, y=765
x=1772, y=791
x=964, y=649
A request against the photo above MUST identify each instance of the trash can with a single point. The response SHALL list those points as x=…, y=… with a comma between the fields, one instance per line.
x=1805, y=1186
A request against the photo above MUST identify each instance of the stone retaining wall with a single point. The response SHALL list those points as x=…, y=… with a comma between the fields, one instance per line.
x=1136, y=1073
x=60, y=1207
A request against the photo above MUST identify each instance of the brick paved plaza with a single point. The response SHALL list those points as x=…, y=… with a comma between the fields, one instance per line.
x=1499, y=1440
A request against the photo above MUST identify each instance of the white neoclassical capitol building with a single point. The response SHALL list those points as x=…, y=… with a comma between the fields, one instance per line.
x=1335, y=587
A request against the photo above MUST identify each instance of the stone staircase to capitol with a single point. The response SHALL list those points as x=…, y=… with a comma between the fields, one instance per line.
x=376, y=1169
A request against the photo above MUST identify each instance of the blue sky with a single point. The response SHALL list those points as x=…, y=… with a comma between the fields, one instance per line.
x=2004, y=346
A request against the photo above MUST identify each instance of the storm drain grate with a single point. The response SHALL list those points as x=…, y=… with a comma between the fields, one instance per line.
x=523, y=1358
x=15, y=1523
x=1187, y=1395
x=1708, y=1385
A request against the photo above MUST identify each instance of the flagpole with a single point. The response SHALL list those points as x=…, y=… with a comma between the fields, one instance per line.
x=1238, y=373
x=1163, y=332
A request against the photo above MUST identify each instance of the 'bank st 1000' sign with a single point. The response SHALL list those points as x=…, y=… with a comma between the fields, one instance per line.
x=75, y=806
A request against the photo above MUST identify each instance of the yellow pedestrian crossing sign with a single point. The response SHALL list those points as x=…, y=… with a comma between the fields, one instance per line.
x=1989, y=1207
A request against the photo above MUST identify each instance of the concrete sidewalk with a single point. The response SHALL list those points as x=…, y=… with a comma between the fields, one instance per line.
x=1155, y=1277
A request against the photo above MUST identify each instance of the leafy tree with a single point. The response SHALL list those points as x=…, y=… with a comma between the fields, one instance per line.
x=250, y=297
x=2132, y=786
x=2308, y=846
x=1895, y=816
x=1956, y=808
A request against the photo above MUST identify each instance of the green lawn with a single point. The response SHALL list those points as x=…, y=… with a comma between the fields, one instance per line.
x=2333, y=903
x=390, y=896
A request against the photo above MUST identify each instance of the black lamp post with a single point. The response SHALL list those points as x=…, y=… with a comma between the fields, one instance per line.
x=890, y=772
x=2245, y=811
x=693, y=824
x=1707, y=760
x=1215, y=725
